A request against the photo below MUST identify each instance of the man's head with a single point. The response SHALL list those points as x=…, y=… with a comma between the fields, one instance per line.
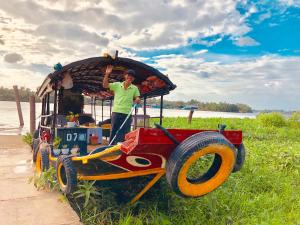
x=129, y=76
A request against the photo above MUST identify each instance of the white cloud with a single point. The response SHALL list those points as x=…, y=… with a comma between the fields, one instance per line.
x=268, y=82
x=140, y=24
x=245, y=41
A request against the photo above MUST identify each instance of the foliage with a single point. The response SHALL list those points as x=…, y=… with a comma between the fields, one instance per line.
x=56, y=142
x=8, y=94
x=205, y=106
x=88, y=192
x=46, y=180
x=27, y=138
x=274, y=119
x=294, y=119
x=71, y=117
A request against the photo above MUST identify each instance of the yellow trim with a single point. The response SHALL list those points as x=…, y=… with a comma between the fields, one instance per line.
x=122, y=175
x=110, y=158
x=194, y=190
x=52, y=158
x=147, y=187
x=61, y=183
x=38, y=163
x=85, y=159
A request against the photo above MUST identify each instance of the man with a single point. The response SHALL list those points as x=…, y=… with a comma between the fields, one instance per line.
x=125, y=94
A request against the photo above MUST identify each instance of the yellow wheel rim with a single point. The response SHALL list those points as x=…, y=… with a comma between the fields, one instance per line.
x=38, y=163
x=59, y=175
x=198, y=189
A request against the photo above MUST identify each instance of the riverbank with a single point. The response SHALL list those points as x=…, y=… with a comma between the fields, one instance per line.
x=20, y=202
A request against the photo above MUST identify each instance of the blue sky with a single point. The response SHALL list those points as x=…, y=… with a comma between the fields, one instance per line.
x=218, y=50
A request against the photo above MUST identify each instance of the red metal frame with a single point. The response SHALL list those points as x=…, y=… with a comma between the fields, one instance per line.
x=153, y=140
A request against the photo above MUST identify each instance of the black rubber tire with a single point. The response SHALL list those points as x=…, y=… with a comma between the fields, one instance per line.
x=35, y=134
x=188, y=149
x=44, y=159
x=35, y=148
x=240, y=158
x=66, y=174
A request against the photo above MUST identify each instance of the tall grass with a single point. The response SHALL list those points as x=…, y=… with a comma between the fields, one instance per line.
x=265, y=191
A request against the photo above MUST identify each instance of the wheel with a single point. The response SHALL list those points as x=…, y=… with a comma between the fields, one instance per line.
x=240, y=158
x=35, y=134
x=42, y=160
x=66, y=174
x=200, y=164
x=35, y=148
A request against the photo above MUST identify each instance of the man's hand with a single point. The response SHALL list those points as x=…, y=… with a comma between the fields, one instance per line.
x=137, y=100
x=109, y=69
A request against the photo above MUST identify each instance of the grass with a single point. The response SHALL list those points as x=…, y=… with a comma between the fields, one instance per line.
x=265, y=191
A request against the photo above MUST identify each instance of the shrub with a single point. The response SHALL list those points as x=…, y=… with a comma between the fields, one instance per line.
x=27, y=138
x=273, y=119
x=294, y=120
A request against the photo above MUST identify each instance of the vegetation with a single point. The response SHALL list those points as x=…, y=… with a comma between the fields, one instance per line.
x=8, y=94
x=27, y=138
x=45, y=181
x=204, y=106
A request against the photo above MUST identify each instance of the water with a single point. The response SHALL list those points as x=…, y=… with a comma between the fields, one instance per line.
x=9, y=119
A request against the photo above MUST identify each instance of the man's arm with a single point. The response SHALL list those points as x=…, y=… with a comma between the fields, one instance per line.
x=106, y=76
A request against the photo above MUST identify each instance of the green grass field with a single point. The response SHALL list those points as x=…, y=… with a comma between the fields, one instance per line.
x=265, y=191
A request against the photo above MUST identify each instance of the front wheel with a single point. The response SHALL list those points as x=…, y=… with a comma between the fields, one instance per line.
x=42, y=161
x=200, y=164
x=66, y=174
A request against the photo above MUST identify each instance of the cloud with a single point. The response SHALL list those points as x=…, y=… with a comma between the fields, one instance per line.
x=138, y=25
x=71, y=32
x=246, y=41
x=267, y=82
x=13, y=58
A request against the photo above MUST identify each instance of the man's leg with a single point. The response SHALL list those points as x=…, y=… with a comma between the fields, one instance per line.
x=125, y=129
x=114, y=126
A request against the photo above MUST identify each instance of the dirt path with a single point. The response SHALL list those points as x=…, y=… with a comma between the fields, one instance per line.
x=20, y=202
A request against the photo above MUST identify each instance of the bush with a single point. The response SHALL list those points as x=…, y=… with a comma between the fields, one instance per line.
x=273, y=119
x=294, y=120
x=27, y=138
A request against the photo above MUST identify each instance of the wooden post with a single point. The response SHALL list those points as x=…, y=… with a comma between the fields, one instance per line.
x=161, y=109
x=32, y=113
x=190, y=116
x=17, y=97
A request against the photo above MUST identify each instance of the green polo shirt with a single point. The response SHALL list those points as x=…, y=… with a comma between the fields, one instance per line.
x=123, y=99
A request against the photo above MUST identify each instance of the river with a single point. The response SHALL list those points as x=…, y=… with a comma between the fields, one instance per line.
x=9, y=119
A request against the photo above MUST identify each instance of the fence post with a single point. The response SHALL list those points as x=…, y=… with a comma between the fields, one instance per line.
x=190, y=116
x=17, y=97
x=32, y=113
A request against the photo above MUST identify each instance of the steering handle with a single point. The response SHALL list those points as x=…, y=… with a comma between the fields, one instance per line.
x=167, y=133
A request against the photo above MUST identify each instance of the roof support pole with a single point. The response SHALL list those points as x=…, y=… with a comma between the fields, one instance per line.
x=54, y=111
x=161, y=109
x=145, y=111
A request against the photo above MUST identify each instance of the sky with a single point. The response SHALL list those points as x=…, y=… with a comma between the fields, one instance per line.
x=213, y=50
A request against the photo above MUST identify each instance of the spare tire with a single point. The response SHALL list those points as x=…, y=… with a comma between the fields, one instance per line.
x=183, y=163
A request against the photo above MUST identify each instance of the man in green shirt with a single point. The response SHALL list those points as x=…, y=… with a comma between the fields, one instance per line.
x=125, y=94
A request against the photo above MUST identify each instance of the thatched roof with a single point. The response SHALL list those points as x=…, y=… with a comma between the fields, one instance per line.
x=87, y=76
